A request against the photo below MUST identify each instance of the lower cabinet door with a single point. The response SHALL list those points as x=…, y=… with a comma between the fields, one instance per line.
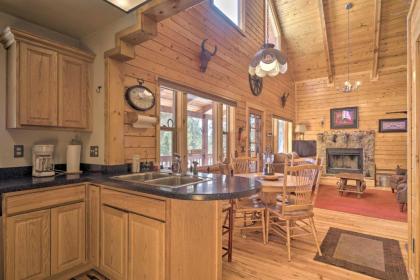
x=28, y=246
x=114, y=243
x=146, y=248
x=68, y=237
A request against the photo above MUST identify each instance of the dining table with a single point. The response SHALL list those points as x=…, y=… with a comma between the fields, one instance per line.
x=271, y=188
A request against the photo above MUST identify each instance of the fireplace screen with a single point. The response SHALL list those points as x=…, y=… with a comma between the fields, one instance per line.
x=344, y=160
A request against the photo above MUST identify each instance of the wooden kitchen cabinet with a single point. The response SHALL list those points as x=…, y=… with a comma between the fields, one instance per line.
x=68, y=236
x=114, y=242
x=38, y=86
x=27, y=245
x=73, y=92
x=48, y=83
x=133, y=240
x=146, y=254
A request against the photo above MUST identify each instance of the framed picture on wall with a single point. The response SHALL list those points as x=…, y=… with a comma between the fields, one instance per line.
x=393, y=125
x=344, y=118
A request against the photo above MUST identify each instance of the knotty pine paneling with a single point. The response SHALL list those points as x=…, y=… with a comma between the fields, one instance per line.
x=174, y=55
x=315, y=98
x=300, y=22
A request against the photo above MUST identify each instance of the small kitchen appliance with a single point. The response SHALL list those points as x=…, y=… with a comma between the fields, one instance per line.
x=43, y=161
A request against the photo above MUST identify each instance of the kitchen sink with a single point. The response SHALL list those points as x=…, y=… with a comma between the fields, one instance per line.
x=159, y=179
x=142, y=177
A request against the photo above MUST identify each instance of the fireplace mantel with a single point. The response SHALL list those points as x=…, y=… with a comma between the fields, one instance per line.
x=349, y=140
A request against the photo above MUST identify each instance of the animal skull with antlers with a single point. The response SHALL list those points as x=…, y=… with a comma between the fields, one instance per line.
x=205, y=56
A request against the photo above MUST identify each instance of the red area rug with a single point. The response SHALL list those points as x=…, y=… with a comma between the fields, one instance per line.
x=373, y=203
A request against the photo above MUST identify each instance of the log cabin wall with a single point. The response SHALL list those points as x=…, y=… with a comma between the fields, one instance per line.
x=174, y=55
x=315, y=98
x=315, y=95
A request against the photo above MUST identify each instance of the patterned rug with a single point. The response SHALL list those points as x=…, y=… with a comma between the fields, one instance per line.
x=367, y=254
x=374, y=203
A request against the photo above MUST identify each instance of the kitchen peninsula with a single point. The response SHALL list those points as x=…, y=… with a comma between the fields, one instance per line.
x=125, y=230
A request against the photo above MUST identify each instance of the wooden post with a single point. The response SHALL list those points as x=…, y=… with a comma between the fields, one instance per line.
x=114, y=113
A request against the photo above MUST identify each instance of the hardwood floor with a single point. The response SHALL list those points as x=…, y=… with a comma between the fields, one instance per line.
x=254, y=260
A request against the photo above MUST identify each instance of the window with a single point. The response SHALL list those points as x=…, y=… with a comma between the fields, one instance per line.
x=225, y=133
x=201, y=124
x=255, y=133
x=231, y=9
x=273, y=35
x=283, y=135
x=167, y=126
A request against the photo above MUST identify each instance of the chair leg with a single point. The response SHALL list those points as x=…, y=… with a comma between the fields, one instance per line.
x=314, y=233
x=267, y=224
x=288, y=240
x=231, y=225
x=263, y=217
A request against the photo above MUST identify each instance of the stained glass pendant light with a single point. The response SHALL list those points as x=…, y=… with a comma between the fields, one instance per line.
x=348, y=85
x=268, y=61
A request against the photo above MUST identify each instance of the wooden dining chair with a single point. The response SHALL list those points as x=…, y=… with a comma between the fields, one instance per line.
x=228, y=220
x=251, y=210
x=293, y=217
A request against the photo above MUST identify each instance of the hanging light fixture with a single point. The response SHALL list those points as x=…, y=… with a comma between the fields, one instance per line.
x=348, y=86
x=268, y=60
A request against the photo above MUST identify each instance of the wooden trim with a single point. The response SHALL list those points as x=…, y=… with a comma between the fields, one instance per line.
x=376, y=41
x=208, y=95
x=114, y=113
x=413, y=53
x=34, y=39
x=325, y=41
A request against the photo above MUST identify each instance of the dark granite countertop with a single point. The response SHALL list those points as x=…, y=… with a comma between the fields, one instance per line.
x=219, y=187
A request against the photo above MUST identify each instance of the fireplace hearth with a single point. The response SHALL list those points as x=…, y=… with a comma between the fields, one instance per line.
x=344, y=160
x=350, y=151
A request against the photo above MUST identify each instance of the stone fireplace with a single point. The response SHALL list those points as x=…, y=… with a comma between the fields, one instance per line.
x=344, y=160
x=347, y=151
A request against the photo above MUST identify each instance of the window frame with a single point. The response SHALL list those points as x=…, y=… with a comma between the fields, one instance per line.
x=179, y=132
x=241, y=16
x=287, y=137
x=172, y=129
x=269, y=6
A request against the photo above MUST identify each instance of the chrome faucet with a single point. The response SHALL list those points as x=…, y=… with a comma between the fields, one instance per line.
x=176, y=164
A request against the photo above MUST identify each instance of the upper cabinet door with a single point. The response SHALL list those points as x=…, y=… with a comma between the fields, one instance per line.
x=73, y=92
x=28, y=246
x=38, y=86
x=68, y=235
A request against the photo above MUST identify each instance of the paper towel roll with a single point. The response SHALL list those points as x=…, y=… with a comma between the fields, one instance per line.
x=73, y=158
x=145, y=122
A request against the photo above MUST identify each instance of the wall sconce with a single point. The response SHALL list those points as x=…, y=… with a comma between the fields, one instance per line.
x=300, y=130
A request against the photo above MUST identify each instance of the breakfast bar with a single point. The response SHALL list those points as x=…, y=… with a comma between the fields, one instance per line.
x=143, y=228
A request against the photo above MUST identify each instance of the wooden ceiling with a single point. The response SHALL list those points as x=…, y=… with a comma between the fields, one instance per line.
x=315, y=32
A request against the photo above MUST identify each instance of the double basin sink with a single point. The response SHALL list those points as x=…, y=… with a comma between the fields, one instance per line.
x=160, y=179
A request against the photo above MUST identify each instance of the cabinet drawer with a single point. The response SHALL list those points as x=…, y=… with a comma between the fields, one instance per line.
x=44, y=199
x=142, y=205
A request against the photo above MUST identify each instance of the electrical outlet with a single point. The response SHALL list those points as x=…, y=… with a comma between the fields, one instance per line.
x=18, y=151
x=94, y=151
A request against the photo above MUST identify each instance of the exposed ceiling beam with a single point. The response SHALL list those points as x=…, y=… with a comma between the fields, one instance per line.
x=325, y=41
x=376, y=34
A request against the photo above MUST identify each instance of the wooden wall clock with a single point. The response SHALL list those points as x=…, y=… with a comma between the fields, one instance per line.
x=256, y=84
